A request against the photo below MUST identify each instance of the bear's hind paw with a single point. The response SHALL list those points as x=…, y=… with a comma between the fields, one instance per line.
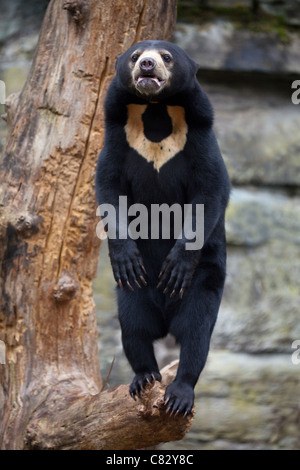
x=140, y=382
x=179, y=398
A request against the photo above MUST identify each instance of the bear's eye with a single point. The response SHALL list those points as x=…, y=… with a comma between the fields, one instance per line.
x=166, y=57
x=135, y=57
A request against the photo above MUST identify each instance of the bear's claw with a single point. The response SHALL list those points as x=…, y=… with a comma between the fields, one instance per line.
x=179, y=399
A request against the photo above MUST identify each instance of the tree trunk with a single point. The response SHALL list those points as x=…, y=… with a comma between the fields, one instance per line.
x=49, y=249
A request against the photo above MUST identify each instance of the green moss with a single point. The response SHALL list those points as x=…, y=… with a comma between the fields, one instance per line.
x=241, y=16
x=14, y=78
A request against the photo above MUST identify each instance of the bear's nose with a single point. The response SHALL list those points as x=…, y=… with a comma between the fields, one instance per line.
x=147, y=64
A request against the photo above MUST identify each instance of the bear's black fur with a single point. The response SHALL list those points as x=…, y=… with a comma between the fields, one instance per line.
x=160, y=148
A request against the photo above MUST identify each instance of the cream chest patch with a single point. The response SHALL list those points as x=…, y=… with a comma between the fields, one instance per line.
x=157, y=152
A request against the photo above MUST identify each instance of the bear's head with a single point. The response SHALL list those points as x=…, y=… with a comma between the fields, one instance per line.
x=155, y=69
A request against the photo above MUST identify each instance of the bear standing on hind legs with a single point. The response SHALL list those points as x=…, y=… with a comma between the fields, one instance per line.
x=160, y=149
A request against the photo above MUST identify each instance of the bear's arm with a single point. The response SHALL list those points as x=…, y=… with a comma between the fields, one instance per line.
x=209, y=182
x=210, y=185
x=110, y=179
x=127, y=263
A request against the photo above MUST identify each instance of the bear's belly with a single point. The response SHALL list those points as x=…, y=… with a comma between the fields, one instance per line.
x=156, y=132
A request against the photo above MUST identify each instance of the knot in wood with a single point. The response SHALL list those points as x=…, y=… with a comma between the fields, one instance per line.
x=66, y=288
x=27, y=225
x=77, y=9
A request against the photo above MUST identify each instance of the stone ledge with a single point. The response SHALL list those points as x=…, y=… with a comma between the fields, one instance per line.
x=245, y=401
x=248, y=399
x=255, y=216
x=218, y=45
x=260, y=306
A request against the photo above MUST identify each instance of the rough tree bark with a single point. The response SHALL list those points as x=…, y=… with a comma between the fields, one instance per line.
x=50, y=388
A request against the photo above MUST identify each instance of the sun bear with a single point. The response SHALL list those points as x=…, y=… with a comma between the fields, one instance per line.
x=160, y=151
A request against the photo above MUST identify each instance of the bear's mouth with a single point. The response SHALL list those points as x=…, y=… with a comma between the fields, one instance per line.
x=149, y=80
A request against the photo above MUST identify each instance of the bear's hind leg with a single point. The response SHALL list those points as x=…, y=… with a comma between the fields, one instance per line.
x=141, y=324
x=192, y=327
x=140, y=354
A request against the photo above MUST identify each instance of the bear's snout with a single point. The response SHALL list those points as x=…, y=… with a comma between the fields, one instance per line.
x=147, y=64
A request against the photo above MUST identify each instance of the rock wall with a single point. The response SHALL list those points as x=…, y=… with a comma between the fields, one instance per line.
x=289, y=10
x=19, y=27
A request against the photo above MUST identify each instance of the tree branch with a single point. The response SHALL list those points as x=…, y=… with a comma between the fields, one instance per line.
x=110, y=420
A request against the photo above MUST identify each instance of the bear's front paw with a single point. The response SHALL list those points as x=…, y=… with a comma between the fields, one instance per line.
x=140, y=382
x=177, y=270
x=179, y=398
x=127, y=264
